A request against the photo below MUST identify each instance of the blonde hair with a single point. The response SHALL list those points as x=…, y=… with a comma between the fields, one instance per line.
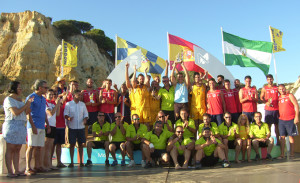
x=247, y=124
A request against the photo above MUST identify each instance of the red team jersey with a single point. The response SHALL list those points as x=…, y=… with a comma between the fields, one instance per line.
x=109, y=95
x=249, y=105
x=230, y=101
x=286, y=108
x=90, y=97
x=237, y=100
x=215, y=101
x=271, y=95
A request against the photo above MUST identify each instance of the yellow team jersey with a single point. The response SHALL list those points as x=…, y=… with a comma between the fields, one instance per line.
x=198, y=106
x=132, y=102
x=244, y=132
x=154, y=108
x=142, y=103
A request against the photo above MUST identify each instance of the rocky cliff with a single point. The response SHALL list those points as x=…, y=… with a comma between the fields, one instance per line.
x=31, y=49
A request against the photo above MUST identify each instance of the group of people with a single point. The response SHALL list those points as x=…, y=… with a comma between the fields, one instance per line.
x=188, y=123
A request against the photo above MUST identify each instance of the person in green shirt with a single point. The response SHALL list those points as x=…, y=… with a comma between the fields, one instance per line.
x=261, y=136
x=212, y=125
x=118, y=132
x=155, y=143
x=209, y=150
x=100, y=130
x=180, y=148
x=134, y=133
x=187, y=123
x=229, y=132
x=167, y=124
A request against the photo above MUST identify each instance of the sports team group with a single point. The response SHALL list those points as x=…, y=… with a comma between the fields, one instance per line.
x=187, y=123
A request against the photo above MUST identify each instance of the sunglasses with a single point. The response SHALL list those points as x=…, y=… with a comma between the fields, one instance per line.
x=161, y=116
x=136, y=119
x=179, y=131
x=227, y=117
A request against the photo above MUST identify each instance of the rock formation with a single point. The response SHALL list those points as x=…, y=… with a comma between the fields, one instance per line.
x=31, y=49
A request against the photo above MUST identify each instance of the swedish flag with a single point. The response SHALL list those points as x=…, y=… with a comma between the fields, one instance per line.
x=155, y=63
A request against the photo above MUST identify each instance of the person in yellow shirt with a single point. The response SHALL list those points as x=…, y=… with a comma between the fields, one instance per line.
x=229, y=132
x=187, y=123
x=198, y=100
x=154, y=102
x=209, y=150
x=212, y=125
x=244, y=128
x=261, y=136
x=167, y=124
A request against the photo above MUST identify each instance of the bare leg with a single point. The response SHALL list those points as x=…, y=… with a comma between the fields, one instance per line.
x=72, y=146
x=80, y=148
x=174, y=155
x=58, y=154
x=37, y=157
x=9, y=156
x=248, y=150
x=255, y=144
x=28, y=156
x=225, y=141
x=238, y=149
x=270, y=145
x=292, y=145
x=89, y=146
x=129, y=150
x=106, y=144
x=187, y=155
x=147, y=153
x=112, y=150
x=282, y=145
x=123, y=150
x=199, y=155
x=16, y=157
x=244, y=147
x=221, y=153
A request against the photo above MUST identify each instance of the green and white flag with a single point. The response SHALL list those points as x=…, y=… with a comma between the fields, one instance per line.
x=247, y=53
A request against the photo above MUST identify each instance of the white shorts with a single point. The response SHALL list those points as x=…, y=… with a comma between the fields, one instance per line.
x=36, y=139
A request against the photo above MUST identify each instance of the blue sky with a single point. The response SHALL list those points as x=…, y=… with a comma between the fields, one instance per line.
x=146, y=24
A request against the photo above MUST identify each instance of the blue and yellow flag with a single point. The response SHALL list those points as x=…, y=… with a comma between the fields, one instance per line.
x=69, y=55
x=276, y=36
x=155, y=64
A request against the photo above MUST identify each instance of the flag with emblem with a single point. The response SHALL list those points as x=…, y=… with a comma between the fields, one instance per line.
x=155, y=64
x=185, y=50
x=69, y=54
x=276, y=37
x=247, y=53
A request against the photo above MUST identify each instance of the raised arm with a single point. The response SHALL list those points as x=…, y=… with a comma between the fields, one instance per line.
x=133, y=79
x=128, y=85
x=147, y=81
x=167, y=68
x=187, y=77
x=173, y=79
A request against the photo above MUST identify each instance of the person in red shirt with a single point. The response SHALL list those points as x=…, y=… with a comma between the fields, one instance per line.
x=90, y=98
x=249, y=98
x=108, y=99
x=230, y=101
x=220, y=82
x=288, y=118
x=237, y=87
x=269, y=95
x=215, y=103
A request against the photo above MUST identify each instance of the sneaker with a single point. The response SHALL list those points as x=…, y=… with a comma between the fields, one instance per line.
x=225, y=164
x=269, y=157
x=88, y=163
x=131, y=163
x=257, y=157
x=143, y=163
x=115, y=163
x=148, y=165
x=123, y=163
x=198, y=165
x=106, y=163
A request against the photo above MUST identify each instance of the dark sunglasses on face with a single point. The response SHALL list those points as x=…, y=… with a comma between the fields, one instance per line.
x=179, y=131
x=136, y=119
x=161, y=116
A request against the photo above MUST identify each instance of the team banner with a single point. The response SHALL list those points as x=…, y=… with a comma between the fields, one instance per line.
x=69, y=54
x=276, y=37
x=155, y=64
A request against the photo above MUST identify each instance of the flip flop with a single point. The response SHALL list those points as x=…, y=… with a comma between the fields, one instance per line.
x=280, y=157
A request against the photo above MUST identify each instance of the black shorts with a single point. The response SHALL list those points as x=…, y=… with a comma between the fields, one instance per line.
x=60, y=136
x=99, y=144
x=92, y=118
x=171, y=116
x=51, y=135
x=250, y=116
x=158, y=153
x=262, y=144
x=217, y=118
x=287, y=128
x=178, y=107
x=117, y=144
x=76, y=134
x=231, y=144
x=209, y=160
x=271, y=117
x=136, y=147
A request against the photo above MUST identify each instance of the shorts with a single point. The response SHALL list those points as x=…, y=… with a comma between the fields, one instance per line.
x=158, y=153
x=231, y=144
x=271, y=117
x=287, y=128
x=109, y=117
x=218, y=118
x=127, y=119
x=60, y=136
x=117, y=144
x=36, y=140
x=171, y=116
x=209, y=160
x=178, y=107
x=76, y=134
x=92, y=118
x=136, y=147
x=197, y=113
x=235, y=117
x=262, y=144
x=98, y=144
x=51, y=135
x=144, y=114
x=250, y=116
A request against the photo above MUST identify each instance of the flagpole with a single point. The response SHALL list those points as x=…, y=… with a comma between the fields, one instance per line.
x=62, y=58
x=116, y=50
x=223, y=44
x=168, y=54
x=276, y=79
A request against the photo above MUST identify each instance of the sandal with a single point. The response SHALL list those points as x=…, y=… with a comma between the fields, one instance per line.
x=21, y=174
x=280, y=157
x=29, y=172
x=61, y=166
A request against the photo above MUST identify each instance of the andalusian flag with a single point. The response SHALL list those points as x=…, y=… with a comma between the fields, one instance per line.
x=179, y=46
x=155, y=64
x=276, y=37
x=69, y=54
x=247, y=53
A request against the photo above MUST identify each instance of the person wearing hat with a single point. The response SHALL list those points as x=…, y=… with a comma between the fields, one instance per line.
x=61, y=88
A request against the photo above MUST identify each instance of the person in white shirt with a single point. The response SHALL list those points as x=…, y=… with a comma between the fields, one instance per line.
x=76, y=115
